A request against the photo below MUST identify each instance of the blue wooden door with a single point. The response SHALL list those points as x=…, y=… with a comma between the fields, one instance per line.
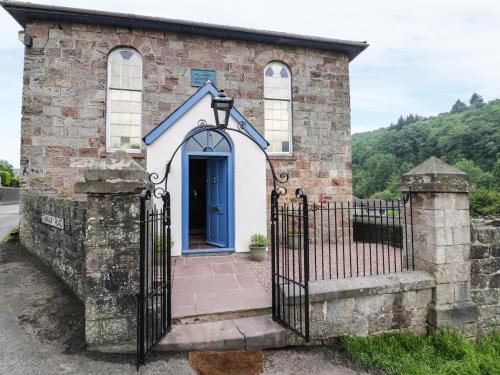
x=217, y=220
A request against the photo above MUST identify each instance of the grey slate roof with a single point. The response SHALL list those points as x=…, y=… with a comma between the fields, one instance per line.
x=26, y=12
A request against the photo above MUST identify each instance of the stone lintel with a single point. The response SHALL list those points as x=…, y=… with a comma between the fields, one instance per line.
x=434, y=175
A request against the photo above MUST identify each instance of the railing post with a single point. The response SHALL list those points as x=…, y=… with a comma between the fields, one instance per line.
x=169, y=259
x=274, y=251
x=305, y=211
x=143, y=196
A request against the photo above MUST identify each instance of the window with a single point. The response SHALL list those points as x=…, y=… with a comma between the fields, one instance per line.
x=208, y=141
x=124, y=101
x=278, y=108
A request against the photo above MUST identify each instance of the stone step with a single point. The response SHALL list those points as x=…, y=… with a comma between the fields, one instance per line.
x=256, y=332
x=225, y=315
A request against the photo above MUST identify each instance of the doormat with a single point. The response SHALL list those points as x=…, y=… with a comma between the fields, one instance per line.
x=227, y=363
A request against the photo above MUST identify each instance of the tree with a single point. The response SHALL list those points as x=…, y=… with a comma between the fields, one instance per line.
x=476, y=100
x=458, y=107
x=477, y=176
x=6, y=166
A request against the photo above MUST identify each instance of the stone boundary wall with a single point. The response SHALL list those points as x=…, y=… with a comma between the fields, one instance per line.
x=9, y=195
x=485, y=272
x=370, y=305
x=61, y=249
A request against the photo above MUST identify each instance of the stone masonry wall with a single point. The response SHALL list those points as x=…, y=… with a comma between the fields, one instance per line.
x=64, y=100
x=485, y=272
x=61, y=249
x=370, y=305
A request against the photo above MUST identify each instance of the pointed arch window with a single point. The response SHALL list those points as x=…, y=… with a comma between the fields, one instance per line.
x=278, y=108
x=124, y=101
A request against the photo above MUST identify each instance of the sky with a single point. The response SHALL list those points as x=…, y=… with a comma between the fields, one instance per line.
x=423, y=55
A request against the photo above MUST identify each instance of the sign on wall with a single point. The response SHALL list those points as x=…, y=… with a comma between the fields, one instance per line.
x=200, y=76
x=53, y=221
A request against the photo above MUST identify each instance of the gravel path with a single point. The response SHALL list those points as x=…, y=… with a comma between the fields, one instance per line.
x=331, y=262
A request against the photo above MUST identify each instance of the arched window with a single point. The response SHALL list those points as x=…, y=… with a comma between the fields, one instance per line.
x=208, y=141
x=278, y=108
x=124, y=101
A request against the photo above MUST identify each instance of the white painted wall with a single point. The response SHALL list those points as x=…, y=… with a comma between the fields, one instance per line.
x=249, y=179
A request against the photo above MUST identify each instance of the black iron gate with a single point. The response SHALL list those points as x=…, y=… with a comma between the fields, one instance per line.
x=290, y=263
x=154, y=313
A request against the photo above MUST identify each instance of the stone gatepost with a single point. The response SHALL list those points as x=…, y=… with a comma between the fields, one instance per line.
x=441, y=230
x=112, y=251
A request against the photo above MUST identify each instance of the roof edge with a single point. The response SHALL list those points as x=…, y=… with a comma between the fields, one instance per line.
x=25, y=12
x=174, y=116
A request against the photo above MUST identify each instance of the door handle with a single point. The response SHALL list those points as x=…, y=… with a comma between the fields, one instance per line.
x=214, y=209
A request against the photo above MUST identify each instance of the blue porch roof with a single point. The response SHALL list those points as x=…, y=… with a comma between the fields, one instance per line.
x=208, y=88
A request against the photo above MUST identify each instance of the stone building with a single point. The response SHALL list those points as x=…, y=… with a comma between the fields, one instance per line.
x=97, y=82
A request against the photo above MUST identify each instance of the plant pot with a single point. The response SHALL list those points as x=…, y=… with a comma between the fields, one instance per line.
x=258, y=253
x=295, y=241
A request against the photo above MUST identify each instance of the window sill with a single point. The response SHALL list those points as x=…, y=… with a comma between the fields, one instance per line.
x=133, y=155
x=282, y=157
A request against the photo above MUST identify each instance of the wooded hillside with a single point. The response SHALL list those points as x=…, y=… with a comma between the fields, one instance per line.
x=468, y=139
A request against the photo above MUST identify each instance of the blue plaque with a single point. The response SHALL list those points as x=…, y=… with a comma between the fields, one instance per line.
x=200, y=76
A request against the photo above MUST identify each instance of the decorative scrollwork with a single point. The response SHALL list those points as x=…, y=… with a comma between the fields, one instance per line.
x=154, y=178
x=281, y=190
x=242, y=125
x=159, y=192
x=283, y=177
x=202, y=123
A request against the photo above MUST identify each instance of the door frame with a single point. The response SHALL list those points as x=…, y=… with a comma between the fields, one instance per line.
x=186, y=155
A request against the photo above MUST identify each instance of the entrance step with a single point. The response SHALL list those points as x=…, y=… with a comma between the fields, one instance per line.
x=256, y=332
x=223, y=315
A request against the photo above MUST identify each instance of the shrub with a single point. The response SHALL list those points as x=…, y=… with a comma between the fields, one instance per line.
x=258, y=240
x=485, y=202
x=6, y=178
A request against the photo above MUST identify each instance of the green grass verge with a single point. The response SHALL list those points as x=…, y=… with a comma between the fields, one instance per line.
x=11, y=236
x=445, y=352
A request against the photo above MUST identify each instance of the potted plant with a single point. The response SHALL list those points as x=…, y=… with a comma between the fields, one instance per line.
x=258, y=245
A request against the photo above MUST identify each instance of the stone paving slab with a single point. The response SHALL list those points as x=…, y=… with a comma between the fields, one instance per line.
x=237, y=334
x=205, y=285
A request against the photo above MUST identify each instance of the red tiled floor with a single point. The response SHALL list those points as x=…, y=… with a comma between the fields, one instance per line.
x=248, y=280
x=223, y=268
x=215, y=284
x=186, y=270
x=201, y=284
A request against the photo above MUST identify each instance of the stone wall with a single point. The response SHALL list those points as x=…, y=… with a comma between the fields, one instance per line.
x=61, y=249
x=9, y=195
x=370, y=305
x=64, y=100
x=485, y=272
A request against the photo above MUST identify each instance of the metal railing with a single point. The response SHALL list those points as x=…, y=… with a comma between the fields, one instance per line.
x=349, y=239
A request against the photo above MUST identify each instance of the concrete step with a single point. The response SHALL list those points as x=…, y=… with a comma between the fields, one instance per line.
x=256, y=332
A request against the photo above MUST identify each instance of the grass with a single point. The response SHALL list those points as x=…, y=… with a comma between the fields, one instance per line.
x=444, y=352
x=11, y=236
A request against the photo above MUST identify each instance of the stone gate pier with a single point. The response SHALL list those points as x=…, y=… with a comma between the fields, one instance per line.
x=442, y=239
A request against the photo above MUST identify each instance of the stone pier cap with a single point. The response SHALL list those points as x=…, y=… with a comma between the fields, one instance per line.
x=434, y=175
x=116, y=174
